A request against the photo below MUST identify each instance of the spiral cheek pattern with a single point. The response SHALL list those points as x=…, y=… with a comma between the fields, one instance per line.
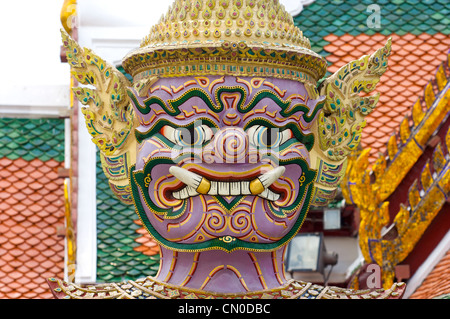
x=241, y=223
x=215, y=223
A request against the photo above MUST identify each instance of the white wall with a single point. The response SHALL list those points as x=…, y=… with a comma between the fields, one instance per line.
x=34, y=81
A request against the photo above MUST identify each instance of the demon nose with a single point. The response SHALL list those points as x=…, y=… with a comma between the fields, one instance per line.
x=231, y=145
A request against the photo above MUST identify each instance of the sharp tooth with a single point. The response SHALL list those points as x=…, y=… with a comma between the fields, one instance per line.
x=272, y=196
x=269, y=195
x=264, y=194
x=184, y=193
x=245, y=188
x=199, y=183
x=235, y=188
x=224, y=188
x=187, y=177
x=191, y=191
x=176, y=195
x=213, y=189
x=270, y=177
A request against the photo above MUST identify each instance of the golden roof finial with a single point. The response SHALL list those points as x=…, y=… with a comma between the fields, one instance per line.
x=68, y=12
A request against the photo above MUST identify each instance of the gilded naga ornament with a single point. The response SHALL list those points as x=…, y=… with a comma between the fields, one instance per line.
x=389, y=233
x=222, y=142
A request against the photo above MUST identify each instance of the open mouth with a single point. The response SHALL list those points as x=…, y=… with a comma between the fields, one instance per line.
x=196, y=184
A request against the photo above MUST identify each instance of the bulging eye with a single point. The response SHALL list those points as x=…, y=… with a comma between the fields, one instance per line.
x=266, y=137
x=193, y=136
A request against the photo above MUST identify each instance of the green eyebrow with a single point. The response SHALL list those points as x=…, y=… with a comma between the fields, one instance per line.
x=172, y=107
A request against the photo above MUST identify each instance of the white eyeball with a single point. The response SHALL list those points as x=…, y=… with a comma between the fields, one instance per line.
x=265, y=137
x=194, y=136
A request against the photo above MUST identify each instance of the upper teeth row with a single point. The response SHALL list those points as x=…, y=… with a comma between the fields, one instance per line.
x=226, y=189
x=197, y=184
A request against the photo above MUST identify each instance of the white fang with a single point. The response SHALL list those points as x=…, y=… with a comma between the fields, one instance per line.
x=235, y=188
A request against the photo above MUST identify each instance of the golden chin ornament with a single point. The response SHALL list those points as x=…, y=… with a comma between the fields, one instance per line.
x=222, y=141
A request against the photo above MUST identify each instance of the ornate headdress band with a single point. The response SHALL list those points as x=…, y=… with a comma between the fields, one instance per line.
x=226, y=37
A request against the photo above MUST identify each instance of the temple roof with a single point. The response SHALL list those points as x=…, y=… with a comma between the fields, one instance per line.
x=407, y=191
x=401, y=17
x=31, y=206
x=436, y=283
x=413, y=62
x=30, y=139
x=420, y=39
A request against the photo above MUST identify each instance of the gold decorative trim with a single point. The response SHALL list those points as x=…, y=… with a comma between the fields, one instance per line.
x=402, y=155
x=71, y=247
x=150, y=288
x=369, y=188
x=341, y=123
x=239, y=38
x=109, y=116
x=339, y=127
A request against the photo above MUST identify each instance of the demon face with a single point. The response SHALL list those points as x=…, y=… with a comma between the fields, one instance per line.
x=223, y=162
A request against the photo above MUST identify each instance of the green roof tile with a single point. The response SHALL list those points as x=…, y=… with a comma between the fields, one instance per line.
x=337, y=17
x=395, y=15
x=32, y=138
x=155, y=268
x=116, y=233
x=13, y=156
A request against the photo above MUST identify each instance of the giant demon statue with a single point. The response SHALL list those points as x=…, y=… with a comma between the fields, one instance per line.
x=222, y=141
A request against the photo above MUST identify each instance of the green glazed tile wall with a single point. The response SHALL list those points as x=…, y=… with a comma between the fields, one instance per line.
x=116, y=233
x=324, y=17
x=32, y=138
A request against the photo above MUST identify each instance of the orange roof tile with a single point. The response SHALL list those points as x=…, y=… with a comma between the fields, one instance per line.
x=30, y=251
x=413, y=62
x=148, y=245
x=437, y=282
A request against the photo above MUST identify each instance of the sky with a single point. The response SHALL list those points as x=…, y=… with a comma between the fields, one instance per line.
x=30, y=38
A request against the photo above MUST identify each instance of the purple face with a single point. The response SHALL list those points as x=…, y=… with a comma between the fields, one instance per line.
x=223, y=162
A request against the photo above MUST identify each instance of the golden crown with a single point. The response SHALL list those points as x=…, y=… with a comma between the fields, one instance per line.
x=226, y=37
